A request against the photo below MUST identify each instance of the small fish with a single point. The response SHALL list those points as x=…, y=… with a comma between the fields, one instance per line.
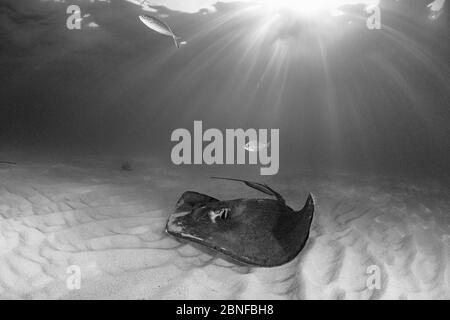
x=160, y=27
x=254, y=146
x=436, y=5
x=435, y=9
x=257, y=232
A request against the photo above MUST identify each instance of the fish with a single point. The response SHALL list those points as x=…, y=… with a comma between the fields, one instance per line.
x=255, y=232
x=160, y=27
x=254, y=146
x=436, y=5
x=435, y=8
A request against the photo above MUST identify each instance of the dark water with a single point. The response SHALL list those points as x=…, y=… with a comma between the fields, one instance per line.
x=344, y=98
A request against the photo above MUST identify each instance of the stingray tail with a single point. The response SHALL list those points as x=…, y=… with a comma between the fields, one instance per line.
x=177, y=41
x=264, y=188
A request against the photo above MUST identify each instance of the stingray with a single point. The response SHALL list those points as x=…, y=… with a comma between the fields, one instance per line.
x=256, y=232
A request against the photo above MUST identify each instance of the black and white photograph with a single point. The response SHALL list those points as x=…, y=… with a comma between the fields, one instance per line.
x=224, y=150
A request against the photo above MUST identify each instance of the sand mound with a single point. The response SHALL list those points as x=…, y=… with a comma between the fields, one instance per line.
x=110, y=224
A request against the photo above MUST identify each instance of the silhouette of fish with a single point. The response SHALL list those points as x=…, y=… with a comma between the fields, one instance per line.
x=160, y=27
x=257, y=232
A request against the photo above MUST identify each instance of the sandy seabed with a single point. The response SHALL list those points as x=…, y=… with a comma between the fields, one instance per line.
x=111, y=223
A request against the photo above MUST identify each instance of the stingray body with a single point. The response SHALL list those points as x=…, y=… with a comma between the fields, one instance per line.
x=257, y=232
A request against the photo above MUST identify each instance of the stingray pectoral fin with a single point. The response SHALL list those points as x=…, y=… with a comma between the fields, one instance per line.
x=191, y=199
x=308, y=208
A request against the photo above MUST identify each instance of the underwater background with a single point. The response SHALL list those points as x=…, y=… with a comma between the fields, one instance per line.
x=364, y=125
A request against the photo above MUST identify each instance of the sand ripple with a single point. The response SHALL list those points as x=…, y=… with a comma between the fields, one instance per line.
x=110, y=224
